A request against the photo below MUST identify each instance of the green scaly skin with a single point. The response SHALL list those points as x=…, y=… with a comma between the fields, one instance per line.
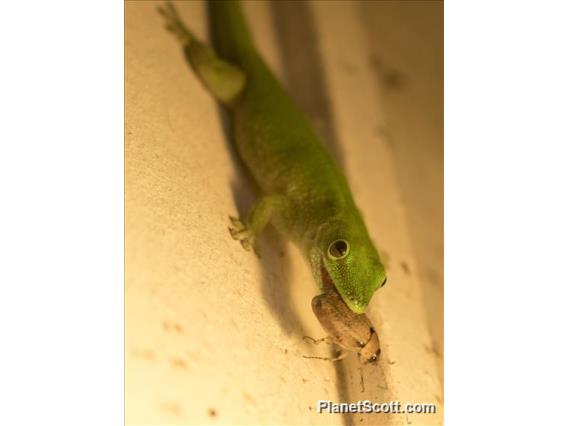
x=304, y=195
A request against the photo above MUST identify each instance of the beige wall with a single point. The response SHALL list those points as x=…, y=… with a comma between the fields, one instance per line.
x=214, y=334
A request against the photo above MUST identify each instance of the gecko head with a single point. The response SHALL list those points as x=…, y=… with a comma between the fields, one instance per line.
x=344, y=257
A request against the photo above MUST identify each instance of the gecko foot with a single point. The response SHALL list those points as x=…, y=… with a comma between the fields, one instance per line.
x=240, y=232
x=174, y=23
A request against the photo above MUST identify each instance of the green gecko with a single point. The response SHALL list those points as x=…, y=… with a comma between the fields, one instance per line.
x=303, y=193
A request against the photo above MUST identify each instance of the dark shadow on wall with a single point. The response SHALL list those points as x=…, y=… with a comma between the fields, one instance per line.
x=303, y=68
x=273, y=255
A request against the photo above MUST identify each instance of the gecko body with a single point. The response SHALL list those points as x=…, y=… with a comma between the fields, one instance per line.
x=303, y=192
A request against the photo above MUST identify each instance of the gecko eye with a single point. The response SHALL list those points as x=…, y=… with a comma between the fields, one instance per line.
x=338, y=249
x=384, y=282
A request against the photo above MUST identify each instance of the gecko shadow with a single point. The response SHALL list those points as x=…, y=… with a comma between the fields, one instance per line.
x=305, y=79
x=273, y=254
x=274, y=258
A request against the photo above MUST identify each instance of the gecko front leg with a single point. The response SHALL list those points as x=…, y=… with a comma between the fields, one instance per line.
x=256, y=220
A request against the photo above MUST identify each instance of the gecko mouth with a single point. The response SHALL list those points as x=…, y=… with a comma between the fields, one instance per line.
x=327, y=281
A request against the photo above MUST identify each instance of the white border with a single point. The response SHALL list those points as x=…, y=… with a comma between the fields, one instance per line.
x=506, y=97
x=61, y=215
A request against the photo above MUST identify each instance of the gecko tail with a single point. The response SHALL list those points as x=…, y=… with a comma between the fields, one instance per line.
x=229, y=31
